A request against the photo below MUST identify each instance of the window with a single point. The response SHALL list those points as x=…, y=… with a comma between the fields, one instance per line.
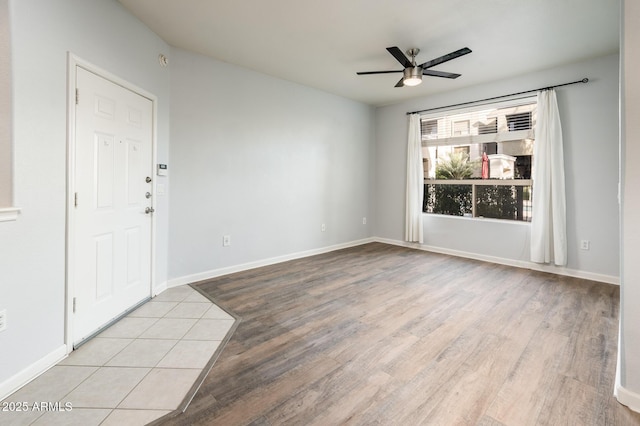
x=429, y=129
x=462, y=150
x=520, y=121
x=461, y=128
x=491, y=126
x=478, y=161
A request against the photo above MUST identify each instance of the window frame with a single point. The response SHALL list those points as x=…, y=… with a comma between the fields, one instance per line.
x=483, y=137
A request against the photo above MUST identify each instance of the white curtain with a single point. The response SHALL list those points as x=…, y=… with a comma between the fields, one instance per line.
x=415, y=182
x=548, y=224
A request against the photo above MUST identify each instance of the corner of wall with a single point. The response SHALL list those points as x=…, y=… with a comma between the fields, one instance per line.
x=32, y=371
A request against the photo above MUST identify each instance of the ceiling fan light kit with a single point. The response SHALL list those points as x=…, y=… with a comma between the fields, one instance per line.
x=412, y=76
x=412, y=73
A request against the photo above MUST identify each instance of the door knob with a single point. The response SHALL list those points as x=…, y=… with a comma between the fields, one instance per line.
x=148, y=179
x=149, y=210
x=147, y=195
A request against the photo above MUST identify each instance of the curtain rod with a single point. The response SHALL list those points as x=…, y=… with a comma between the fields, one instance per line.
x=584, y=80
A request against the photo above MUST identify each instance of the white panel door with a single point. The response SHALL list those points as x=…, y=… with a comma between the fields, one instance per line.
x=112, y=222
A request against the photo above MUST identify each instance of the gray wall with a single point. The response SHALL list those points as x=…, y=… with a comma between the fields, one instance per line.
x=263, y=160
x=32, y=249
x=589, y=114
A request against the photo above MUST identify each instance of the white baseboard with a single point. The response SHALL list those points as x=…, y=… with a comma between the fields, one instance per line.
x=628, y=398
x=20, y=379
x=201, y=276
x=188, y=279
x=610, y=279
x=159, y=288
x=624, y=396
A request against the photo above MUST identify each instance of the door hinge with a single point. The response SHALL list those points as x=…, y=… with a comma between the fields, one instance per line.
x=77, y=96
x=74, y=305
x=75, y=199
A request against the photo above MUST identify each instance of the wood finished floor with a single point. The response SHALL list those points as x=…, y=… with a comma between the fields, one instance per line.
x=383, y=335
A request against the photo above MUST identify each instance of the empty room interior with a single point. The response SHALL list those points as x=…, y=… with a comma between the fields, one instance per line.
x=265, y=213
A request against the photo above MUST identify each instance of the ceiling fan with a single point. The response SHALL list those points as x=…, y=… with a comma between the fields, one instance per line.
x=413, y=73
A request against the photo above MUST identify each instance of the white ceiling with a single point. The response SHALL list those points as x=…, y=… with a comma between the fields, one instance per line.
x=323, y=43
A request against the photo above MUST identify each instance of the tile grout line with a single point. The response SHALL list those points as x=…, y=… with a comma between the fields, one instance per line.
x=207, y=369
x=158, y=362
x=182, y=338
x=102, y=366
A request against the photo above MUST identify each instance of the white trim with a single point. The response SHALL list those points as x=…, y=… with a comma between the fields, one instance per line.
x=9, y=214
x=609, y=279
x=73, y=62
x=201, y=276
x=628, y=398
x=159, y=289
x=31, y=372
x=477, y=219
x=479, y=182
x=622, y=394
x=618, y=382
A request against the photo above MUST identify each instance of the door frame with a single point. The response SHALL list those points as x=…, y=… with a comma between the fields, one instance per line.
x=73, y=62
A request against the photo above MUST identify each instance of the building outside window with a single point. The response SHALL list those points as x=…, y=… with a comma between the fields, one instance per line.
x=478, y=161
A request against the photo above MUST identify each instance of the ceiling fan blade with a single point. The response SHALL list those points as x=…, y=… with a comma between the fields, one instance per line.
x=400, y=83
x=377, y=72
x=445, y=58
x=397, y=53
x=434, y=73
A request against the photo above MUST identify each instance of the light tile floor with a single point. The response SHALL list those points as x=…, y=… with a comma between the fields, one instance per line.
x=132, y=373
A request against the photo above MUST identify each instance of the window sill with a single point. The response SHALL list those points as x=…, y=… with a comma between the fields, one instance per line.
x=9, y=214
x=477, y=219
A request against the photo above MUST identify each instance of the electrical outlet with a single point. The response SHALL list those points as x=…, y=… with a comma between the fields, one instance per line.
x=323, y=227
x=3, y=320
x=226, y=241
x=585, y=244
x=364, y=220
